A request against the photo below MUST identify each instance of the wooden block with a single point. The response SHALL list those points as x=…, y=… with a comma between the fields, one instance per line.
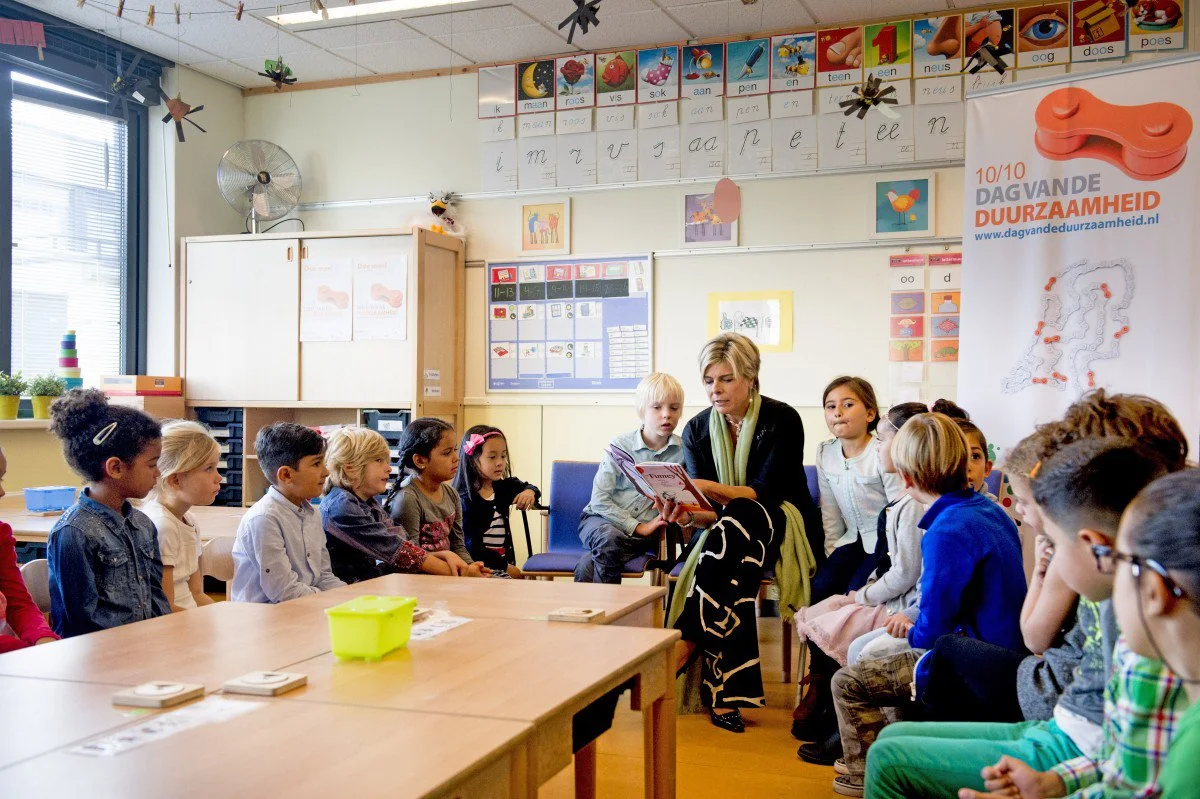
x=265, y=683
x=159, y=693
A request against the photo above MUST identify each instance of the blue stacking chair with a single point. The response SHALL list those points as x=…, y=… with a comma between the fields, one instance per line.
x=570, y=490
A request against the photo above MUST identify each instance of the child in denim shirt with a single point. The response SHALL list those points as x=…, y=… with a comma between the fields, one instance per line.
x=104, y=563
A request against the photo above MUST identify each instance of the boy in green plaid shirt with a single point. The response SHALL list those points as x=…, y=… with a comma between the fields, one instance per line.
x=1144, y=700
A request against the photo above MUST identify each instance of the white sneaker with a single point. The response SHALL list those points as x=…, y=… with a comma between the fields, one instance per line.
x=839, y=766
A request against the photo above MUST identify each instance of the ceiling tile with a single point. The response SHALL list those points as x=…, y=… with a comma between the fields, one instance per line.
x=510, y=44
x=715, y=19
x=410, y=56
x=555, y=11
x=231, y=38
x=383, y=31
x=229, y=72
x=837, y=11
x=309, y=66
x=479, y=19
x=627, y=30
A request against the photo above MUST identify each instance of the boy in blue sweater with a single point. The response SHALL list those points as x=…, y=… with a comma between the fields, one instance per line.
x=973, y=584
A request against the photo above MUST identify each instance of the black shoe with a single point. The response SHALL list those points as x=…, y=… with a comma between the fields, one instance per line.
x=731, y=721
x=824, y=753
x=817, y=726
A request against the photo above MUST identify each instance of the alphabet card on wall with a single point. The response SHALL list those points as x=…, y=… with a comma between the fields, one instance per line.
x=616, y=156
x=575, y=81
x=794, y=144
x=889, y=50
x=658, y=153
x=940, y=131
x=658, y=74
x=793, y=62
x=993, y=28
x=891, y=141
x=577, y=159
x=535, y=86
x=1098, y=29
x=497, y=91
x=616, y=82
x=750, y=148
x=839, y=56
x=842, y=141
x=537, y=162
x=935, y=91
x=749, y=67
x=1044, y=35
x=937, y=46
x=499, y=166
x=704, y=150
x=703, y=73
x=1156, y=25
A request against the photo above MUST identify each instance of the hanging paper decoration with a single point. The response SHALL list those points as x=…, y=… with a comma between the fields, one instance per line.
x=150, y=17
x=79, y=3
x=20, y=33
x=989, y=55
x=179, y=111
x=318, y=7
x=583, y=16
x=869, y=96
x=120, y=8
x=238, y=14
x=279, y=72
x=177, y=14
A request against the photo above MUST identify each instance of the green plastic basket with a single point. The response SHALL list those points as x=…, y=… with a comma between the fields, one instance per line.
x=368, y=627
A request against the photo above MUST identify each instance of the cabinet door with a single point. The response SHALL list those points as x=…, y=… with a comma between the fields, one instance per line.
x=243, y=321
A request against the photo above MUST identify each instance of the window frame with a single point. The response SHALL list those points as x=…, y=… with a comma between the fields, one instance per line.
x=80, y=71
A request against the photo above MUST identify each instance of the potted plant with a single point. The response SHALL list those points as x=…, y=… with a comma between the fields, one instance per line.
x=42, y=391
x=11, y=389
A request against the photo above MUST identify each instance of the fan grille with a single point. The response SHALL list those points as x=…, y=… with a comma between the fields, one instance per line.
x=260, y=178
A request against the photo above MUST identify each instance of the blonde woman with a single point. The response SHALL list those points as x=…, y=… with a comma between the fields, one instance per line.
x=188, y=477
x=746, y=454
x=363, y=541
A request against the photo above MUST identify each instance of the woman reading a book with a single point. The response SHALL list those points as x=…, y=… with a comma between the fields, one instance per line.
x=744, y=453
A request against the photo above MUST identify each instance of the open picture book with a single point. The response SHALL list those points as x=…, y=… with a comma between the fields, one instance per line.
x=667, y=481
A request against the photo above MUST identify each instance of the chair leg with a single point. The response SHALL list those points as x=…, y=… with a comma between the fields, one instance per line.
x=787, y=653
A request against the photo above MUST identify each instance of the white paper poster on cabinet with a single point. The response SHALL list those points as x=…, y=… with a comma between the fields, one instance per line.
x=381, y=297
x=325, y=295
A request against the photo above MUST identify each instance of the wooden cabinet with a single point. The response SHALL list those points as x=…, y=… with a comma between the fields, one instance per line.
x=240, y=344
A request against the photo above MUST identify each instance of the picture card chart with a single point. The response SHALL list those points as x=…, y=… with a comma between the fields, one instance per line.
x=569, y=324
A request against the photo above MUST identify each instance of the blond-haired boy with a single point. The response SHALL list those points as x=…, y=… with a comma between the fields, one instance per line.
x=619, y=523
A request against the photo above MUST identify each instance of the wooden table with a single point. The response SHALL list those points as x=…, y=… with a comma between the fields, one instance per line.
x=297, y=749
x=209, y=645
x=213, y=522
x=43, y=715
x=493, y=598
x=541, y=673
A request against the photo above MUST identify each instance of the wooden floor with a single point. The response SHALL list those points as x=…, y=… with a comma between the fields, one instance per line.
x=761, y=762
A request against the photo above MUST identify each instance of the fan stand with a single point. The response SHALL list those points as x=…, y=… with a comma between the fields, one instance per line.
x=253, y=222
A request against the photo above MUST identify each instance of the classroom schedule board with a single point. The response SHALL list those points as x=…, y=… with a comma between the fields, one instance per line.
x=569, y=324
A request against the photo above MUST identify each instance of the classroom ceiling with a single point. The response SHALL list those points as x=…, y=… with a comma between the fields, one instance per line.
x=211, y=41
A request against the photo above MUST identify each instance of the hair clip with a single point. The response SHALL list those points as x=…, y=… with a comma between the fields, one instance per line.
x=1037, y=467
x=475, y=440
x=104, y=434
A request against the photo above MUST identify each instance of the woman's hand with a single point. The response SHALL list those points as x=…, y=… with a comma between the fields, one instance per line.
x=525, y=500
x=1012, y=777
x=898, y=625
x=676, y=514
x=724, y=494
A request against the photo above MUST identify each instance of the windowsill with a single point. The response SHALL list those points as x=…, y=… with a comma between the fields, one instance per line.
x=25, y=424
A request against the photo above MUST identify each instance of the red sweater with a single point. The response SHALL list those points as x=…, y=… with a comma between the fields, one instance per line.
x=21, y=613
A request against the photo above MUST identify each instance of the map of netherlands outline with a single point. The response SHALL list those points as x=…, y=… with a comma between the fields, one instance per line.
x=1083, y=319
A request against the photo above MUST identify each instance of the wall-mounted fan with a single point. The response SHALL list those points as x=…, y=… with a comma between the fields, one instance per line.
x=259, y=180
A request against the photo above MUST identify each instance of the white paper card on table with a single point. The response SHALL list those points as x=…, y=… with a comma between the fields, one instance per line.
x=940, y=131
x=658, y=153
x=658, y=115
x=890, y=141
x=579, y=615
x=158, y=693
x=750, y=148
x=747, y=109
x=703, y=149
x=945, y=278
x=498, y=129
x=438, y=622
x=536, y=125
x=498, y=166
x=842, y=141
x=326, y=288
x=211, y=710
x=578, y=120
x=616, y=156
x=947, y=89
x=577, y=159
x=537, y=163
x=381, y=297
x=497, y=91
x=708, y=109
x=905, y=279
x=265, y=683
x=794, y=144
x=792, y=104
x=615, y=118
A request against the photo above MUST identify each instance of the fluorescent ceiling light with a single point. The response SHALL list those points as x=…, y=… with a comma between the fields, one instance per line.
x=30, y=80
x=361, y=10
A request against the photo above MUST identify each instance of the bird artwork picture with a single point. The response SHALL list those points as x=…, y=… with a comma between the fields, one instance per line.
x=903, y=203
x=179, y=111
x=278, y=72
